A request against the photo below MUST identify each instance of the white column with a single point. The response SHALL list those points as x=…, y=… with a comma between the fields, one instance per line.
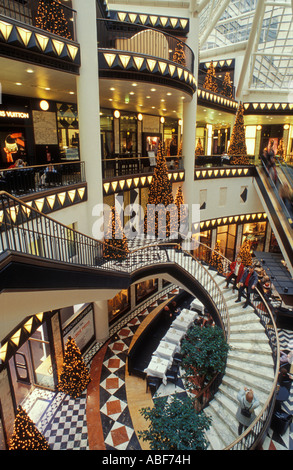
x=101, y=320
x=88, y=101
x=189, y=121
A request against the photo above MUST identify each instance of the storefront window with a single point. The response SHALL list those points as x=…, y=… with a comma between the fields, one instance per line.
x=145, y=289
x=128, y=133
x=171, y=137
x=255, y=233
x=227, y=237
x=202, y=251
x=119, y=304
x=107, y=133
x=68, y=132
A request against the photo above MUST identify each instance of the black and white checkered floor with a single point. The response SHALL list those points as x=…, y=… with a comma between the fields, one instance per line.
x=62, y=420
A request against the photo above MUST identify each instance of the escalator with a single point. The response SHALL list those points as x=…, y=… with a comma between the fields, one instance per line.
x=278, y=215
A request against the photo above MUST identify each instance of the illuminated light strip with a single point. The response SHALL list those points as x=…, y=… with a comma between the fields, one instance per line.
x=163, y=20
x=132, y=17
x=153, y=20
x=122, y=184
x=62, y=197
x=16, y=337
x=174, y=22
x=106, y=187
x=110, y=58
x=40, y=316
x=40, y=204
x=114, y=185
x=72, y=51
x=43, y=41
x=81, y=192
x=3, y=352
x=138, y=61
x=162, y=67
x=25, y=35
x=72, y=194
x=121, y=16
x=151, y=64
x=51, y=200
x=5, y=29
x=143, y=18
x=28, y=325
x=124, y=60
x=172, y=69
x=58, y=45
x=183, y=23
x=129, y=182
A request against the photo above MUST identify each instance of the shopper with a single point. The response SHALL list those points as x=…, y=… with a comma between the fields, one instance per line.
x=248, y=283
x=247, y=404
x=236, y=273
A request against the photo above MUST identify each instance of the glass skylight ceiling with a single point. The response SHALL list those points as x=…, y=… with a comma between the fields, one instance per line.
x=271, y=64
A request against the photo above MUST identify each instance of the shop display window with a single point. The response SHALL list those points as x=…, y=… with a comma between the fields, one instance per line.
x=202, y=251
x=128, y=133
x=68, y=132
x=171, y=137
x=145, y=289
x=226, y=235
x=119, y=305
x=255, y=233
x=107, y=132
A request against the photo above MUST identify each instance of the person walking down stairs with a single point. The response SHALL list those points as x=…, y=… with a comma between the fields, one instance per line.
x=248, y=282
x=245, y=415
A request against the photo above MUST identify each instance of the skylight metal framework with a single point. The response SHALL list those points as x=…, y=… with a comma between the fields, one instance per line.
x=267, y=37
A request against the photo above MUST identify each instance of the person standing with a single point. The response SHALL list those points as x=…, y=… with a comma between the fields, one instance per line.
x=248, y=283
x=236, y=273
x=245, y=414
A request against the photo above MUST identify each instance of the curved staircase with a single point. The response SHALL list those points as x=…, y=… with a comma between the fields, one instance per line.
x=250, y=363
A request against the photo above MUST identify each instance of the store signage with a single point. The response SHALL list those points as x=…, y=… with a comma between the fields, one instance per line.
x=14, y=114
x=81, y=329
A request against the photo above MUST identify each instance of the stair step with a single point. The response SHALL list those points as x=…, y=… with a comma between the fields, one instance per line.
x=224, y=421
x=261, y=371
x=242, y=379
x=257, y=358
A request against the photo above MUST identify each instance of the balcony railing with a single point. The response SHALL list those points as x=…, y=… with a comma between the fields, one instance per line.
x=144, y=40
x=220, y=85
x=30, y=179
x=122, y=165
x=27, y=12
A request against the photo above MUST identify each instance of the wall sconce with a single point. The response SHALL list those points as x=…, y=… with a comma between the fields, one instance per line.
x=162, y=119
x=259, y=128
x=286, y=126
x=139, y=117
x=44, y=105
x=117, y=114
x=180, y=122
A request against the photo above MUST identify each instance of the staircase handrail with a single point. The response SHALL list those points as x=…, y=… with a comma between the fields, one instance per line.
x=242, y=441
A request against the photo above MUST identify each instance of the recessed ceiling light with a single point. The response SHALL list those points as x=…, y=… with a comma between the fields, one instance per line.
x=30, y=71
x=112, y=89
x=18, y=84
x=134, y=84
x=162, y=101
x=132, y=93
x=148, y=97
x=153, y=107
x=169, y=94
x=71, y=92
x=153, y=89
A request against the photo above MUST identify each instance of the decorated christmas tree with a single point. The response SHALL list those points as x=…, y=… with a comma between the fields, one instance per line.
x=50, y=17
x=160, y=192
x=116, y=245
x=244, y=253
x=199, y=150
x=74, y=377
x=216, y=258
x=237, y=149
x=182, y=211
x=227, y=86
x=25, y=434
x=281, y=150
x=179, y=54
x=210, y=82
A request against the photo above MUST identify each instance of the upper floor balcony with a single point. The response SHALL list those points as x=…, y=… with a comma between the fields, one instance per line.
x=42, y=15
x=39, y=32
x=141, y=52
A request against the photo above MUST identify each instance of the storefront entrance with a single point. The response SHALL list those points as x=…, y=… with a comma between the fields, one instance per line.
x=31, y=365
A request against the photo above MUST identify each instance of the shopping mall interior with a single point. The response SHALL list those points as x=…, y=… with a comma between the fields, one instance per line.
x=109, y=110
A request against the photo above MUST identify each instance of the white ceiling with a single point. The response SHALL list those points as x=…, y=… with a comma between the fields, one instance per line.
x=122, y=93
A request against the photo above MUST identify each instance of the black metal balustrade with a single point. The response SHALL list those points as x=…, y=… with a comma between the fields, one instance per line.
x=122, y=165
x=25, y=11
x=144, y=40
x=220, y=85
x=26, y=230
x=25, y=180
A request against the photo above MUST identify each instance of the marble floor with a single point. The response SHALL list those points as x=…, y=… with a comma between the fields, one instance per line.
x=107, y=416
